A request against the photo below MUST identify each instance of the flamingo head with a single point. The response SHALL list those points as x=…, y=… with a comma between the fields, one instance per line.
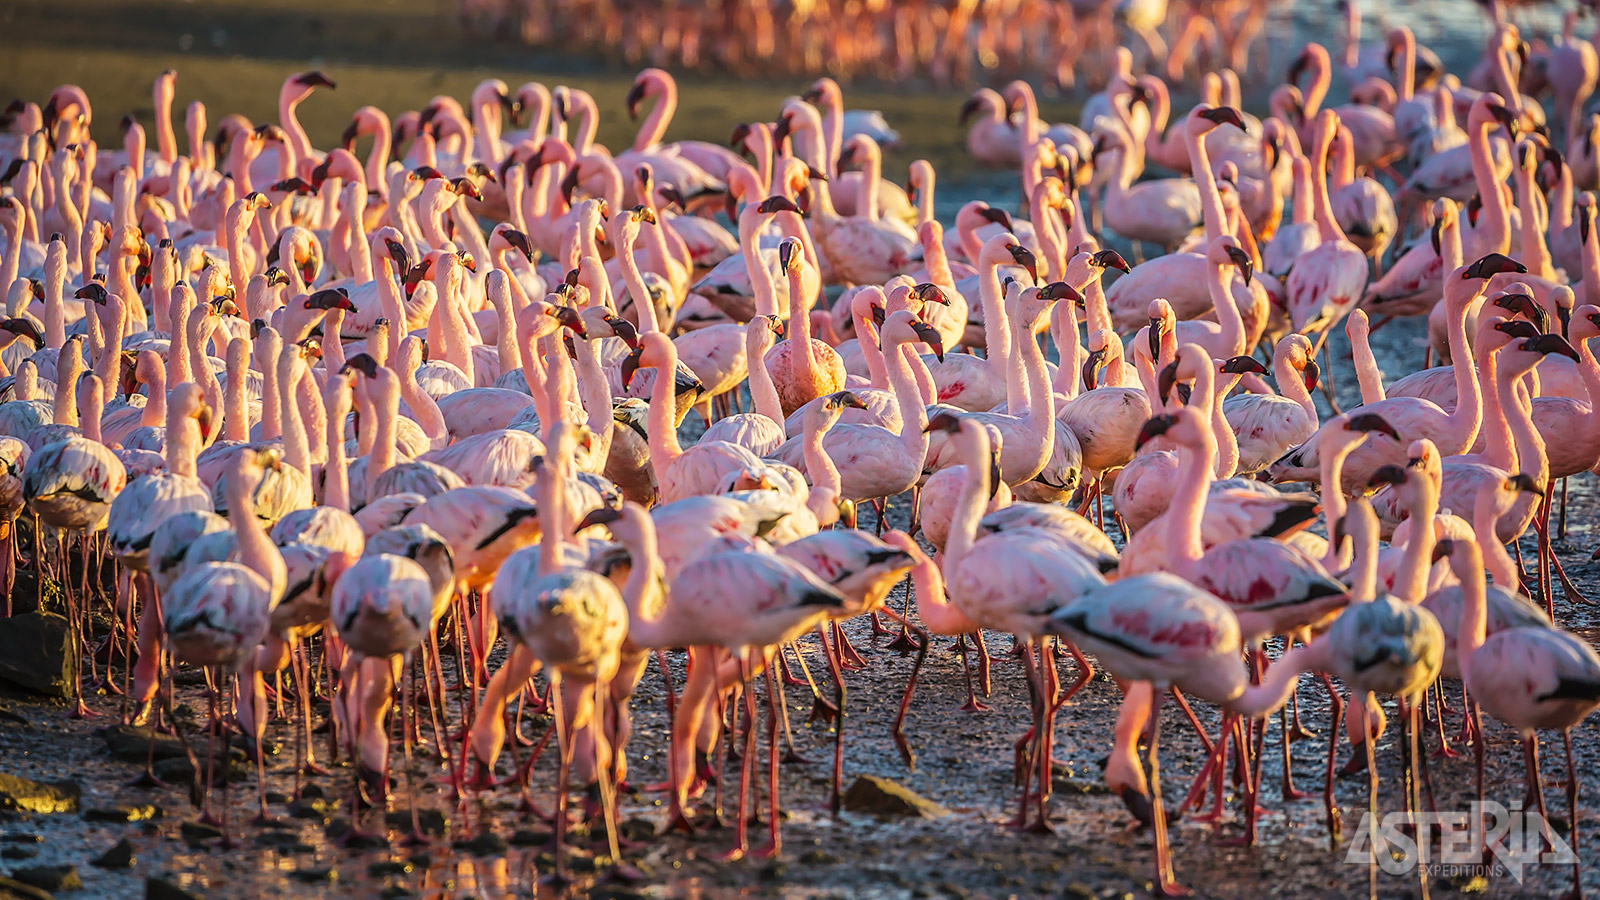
x=1492, y=265
x=1524, y=483
x=777, y=204
x=1060, y=290
x=843, y=400
x=604, y=515
x=1110, y=259
x=1155, y=427
x=1168, y=380
x=315, y=79
x=1240, y=365
x=569, y=317
x=275, y=277
x=1220, y=115
x=94, y=292
x=364, y=363
x=517, y=240
x=1390, y=474
x=930, y=336
x=224, y=305
x=995, y=215
x=331, y=298
x=947, y=422
x=1025, y=258
x=1371, y=423
x=1521, y=304
x=928, y=292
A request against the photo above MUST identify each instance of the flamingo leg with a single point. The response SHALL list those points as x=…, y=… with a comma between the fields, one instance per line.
x=564, y=740
x=1372, y=816
x=836, y=797
x=898, y=732
x=774, y=843
x=1166, y=882
x=1331, y=808
x=1572, y=813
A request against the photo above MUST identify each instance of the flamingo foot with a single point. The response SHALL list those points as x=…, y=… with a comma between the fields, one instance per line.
x=678, y=820
x=1355, y=765
x=147, y=780
x=1138, y=806
x=904, y=643
x=81, y=710
x=974, y=705
x=358, y=839
x=823, y=710
x=311, y=767
x=790, y=757
x=733, y=855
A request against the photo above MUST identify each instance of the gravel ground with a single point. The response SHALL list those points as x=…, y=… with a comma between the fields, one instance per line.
x=963, y=762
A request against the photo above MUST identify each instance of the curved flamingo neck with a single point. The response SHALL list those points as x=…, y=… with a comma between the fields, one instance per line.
x=1411, y=579
x=763, y=393
x=1530, y=450
x=1064, y=333
x=1291, y=384
x=645, y=626
x=1495, y=219
x=1502, y=568
x=655, y=125
x=1326, y=223
x=803, y=365
x=664, y=446
x=826, y=485
x=335, y=472
x=1333, y=500
x=296, y=451
x=975, y=488
x=1196, y=464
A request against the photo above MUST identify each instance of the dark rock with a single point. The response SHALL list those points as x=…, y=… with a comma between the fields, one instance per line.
x=774, y=871
x=277, y=797
x=530, y=837
x=11, y=889
x=316, y=875
x=22, y=837
x=162, y=889
x=340, y=829
x=384, y=867
x=35, y=654
x=818, y=858
x=142, y=812
x=637, y=829
x=50, y=878
x=1076, y=891
x=179, y=770
x=883, y=797
x=588, y=864
x=432, y=821
x=120, y=856
x=309, y=808
x=18, y=853
x=27, y=795
x=131, y=743
x=421, y=859
x=311, y=791
x=198, y=832
x=1066, y=785
x=615, y=892
x=485, y=843
x=286, y=842
x=394, y=892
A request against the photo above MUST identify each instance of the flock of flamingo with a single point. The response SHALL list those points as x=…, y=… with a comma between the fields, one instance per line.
x=321, y=420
